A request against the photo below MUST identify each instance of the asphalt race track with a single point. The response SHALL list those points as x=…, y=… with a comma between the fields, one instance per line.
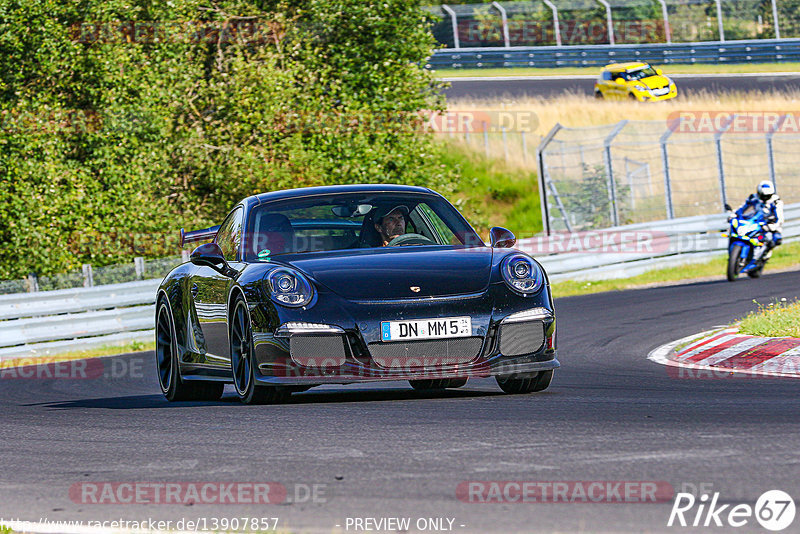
x=387, y=451
x=549, y=86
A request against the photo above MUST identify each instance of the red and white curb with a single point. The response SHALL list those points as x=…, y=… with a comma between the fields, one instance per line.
x=728, y=352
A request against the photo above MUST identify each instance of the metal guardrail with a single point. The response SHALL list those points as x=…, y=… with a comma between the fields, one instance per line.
x=651, y=245
x=48, y=322
x=55, y=321
x=749, y=51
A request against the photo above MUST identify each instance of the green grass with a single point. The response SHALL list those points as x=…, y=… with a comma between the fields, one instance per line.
x=784, y=257
x=493, y=193
x=776, y=319
x=742, y=68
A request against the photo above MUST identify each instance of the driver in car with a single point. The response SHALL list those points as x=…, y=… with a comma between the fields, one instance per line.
x=390, y=222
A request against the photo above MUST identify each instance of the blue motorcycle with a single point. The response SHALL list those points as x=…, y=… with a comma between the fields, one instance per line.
x=746, y=242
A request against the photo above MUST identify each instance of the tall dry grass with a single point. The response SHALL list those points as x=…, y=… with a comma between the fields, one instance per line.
x=575, y=110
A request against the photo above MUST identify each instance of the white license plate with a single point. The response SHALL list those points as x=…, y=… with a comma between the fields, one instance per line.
x=442, y=327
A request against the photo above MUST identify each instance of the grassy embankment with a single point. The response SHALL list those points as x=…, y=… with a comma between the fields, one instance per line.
x=776, y=319
x=714, y=68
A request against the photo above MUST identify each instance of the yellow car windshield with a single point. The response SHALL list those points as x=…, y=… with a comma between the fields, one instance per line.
x=645, y=72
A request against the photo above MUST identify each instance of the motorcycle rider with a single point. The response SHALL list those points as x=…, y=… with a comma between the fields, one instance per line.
x=766, y=199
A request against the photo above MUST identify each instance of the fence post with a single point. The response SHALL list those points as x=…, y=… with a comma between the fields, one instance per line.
x=454, y=19
x=524, y=147
x=505, y=143
x=775, y=19
x=556, y=25
x=770, y=153
x=612, y=187
x=88, y=277
x=720, y=166
x=504, y=21
x=33, y=283
x=719, y=21
x=486, y=138
x=138, y=265
x=665, y=163
x=665, y=14
x=610, y=22
x=542, y=182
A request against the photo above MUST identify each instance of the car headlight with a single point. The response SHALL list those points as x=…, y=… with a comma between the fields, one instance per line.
x=289, y=288
x=522, y=274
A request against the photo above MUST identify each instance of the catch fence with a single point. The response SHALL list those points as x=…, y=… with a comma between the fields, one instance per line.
x=639, y=171
x=585, y=22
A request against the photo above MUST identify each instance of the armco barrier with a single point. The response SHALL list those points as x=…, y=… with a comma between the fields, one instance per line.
x=73, y=319
x=655, y=245
x=750, y=51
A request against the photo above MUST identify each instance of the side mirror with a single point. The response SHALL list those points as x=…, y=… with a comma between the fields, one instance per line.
x=659, y=72
x=619, y=81
x=501, y=238
x=209, y=255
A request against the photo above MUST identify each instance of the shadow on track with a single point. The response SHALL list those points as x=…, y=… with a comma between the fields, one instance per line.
x=138, y=402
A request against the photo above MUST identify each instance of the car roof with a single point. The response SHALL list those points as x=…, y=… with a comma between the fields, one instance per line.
x=619, y=67
x=333, y=189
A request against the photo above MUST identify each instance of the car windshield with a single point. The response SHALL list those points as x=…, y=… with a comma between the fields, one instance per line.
x=351, y=221
x=644, y=72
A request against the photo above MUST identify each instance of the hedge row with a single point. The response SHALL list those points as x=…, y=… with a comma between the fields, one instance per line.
x=123, y=120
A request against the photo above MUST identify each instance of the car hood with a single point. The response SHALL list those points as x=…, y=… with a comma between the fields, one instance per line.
x=391, y=273
x=655, y=82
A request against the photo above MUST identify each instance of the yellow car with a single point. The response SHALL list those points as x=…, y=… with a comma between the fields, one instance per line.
x=637, y=81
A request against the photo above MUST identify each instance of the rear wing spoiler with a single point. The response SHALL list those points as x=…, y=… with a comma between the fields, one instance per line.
x=198, y=235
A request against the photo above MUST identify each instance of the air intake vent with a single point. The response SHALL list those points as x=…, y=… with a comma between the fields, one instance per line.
x=425, y=353
x=318, y=351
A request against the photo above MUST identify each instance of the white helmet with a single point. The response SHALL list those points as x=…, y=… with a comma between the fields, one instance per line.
x=765, y=190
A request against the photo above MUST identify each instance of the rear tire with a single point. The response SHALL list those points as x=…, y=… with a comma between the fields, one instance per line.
x=173, y=386
x=734, y=263
x=243, y=366
x=515, y=386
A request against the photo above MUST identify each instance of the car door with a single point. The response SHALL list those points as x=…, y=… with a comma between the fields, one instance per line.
x=209, y=290
x=604, y=84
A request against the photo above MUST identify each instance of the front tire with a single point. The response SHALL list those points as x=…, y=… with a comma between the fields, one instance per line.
x=173, y=386
x=539, y=382
x=243, y=366
x=734, y=262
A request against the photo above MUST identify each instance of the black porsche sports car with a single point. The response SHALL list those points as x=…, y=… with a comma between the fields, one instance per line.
x=348, y=284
